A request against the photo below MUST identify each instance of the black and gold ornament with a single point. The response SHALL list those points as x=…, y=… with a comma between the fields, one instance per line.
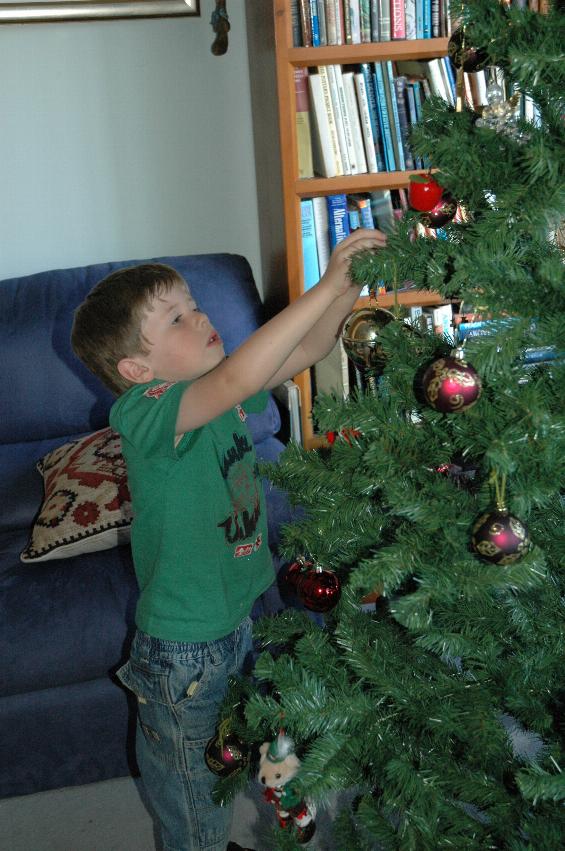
x=465, y=56
x=225, y=753
x=361, y=337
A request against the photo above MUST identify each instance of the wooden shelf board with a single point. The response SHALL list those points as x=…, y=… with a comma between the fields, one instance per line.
x=352, y=54
x=307, y=187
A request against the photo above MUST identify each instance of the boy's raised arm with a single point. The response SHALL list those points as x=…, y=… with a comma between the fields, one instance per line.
x=269, y=353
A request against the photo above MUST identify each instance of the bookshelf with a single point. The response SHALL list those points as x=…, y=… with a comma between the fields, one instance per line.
x=288, y=58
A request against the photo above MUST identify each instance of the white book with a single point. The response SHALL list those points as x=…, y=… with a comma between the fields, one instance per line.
x=354, y=120
x=340, y=118
x=437, y=79
x=365, y=118
x=352, y=7
x=347, y=122
x=328, y=103
x=410, y=18
x=332, y=372
x=442, y=318
x=322, y=231
x=478, y=82
x=322, y=149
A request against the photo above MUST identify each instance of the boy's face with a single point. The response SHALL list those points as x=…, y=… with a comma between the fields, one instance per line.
x=181, y=341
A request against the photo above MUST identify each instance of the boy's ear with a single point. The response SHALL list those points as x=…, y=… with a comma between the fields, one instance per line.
x=135, y=370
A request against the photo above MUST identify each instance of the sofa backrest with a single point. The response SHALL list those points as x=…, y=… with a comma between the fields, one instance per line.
x=47, y=396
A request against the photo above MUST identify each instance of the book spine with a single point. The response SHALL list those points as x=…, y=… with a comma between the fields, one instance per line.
x=305, y=22
x=402, y=110
x=365, y=21
x=384, y=118
x=393, y=116
x=375, y=28
x=324, y=79
x=397, y=20
x=340, y=21
x=365, y=121
x=450, y=79
x=419, y=18
x=436, y=22
x=354, y=10
x=437, y=80
x=332, y=72
x=338, y=219
x=365, y=214
x=384, y=20
x=309, y=250
x=322, y=151
x=331, y=22
x=412, y=117
x=314, y=23
x=373, y=113
x=321, y=230
x=410, y=18
x=427, y=18
x=303, y=129
x=322, y=29
x=354, y=120
x=347, y=122
x=295, y=24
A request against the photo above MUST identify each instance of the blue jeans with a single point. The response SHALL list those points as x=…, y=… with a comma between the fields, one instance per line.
x=179, y=688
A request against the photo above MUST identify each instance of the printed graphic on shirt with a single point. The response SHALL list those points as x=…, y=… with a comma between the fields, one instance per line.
x=243, y=488
x=159, y=389
x=241, y=413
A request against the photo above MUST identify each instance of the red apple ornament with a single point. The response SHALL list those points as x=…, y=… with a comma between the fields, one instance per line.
x=423, y=192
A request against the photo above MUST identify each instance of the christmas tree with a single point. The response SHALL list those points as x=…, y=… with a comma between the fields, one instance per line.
x=439, y=706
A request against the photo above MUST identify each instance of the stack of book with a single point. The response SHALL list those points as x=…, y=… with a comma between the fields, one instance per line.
x=316, y=23
x=360, y=116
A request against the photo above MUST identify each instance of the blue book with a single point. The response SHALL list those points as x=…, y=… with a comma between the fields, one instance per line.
x=373, y=115
x=315, y=24
x=420, y=18
x=309, y=250
x=384, y=118
x=450, y=76
x=427, y=18
x=412, y=117
x=418, y=100
x=396, y=129
x=338, y=219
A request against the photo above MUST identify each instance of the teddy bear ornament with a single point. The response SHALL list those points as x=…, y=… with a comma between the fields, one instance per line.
x=278, y=767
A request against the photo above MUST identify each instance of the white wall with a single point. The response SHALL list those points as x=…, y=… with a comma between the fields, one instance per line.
x=122, y=140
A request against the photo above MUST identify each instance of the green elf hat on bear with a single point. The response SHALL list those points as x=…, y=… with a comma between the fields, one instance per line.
x=280, y=748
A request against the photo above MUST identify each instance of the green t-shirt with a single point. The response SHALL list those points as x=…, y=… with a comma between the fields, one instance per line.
x=199, y=533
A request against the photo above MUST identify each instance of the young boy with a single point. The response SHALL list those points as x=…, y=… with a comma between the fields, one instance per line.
x=199, y=536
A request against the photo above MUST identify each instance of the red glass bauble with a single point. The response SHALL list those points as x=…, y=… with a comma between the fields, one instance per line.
x=441, y=214
x=317, y=588
x=424, y=193
x=226, y=755
x=499, y=537
x=451, y=385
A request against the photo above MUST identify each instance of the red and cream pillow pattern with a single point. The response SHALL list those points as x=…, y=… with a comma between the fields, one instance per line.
x=86, y=504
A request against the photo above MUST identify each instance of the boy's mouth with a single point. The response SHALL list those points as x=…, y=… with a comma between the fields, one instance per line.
x=214, y=339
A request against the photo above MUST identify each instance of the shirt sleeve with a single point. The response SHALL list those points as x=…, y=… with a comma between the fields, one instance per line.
x=257, y=403
x=146, y=415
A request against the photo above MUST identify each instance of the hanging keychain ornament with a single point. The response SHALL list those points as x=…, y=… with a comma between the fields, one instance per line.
x=498, y=536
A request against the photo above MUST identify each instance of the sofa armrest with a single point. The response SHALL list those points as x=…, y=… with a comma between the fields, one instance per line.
x=288, y=394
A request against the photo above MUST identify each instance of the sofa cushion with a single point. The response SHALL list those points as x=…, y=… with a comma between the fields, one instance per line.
x=86, y=505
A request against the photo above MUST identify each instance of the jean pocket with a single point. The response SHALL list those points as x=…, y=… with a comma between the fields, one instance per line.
x=147, y=684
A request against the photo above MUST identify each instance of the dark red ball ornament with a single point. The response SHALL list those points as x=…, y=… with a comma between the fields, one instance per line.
x=441, y=214
x=317, y=588
x=226, y=754
x=424, y=193
x=451, y=385
x=499, y=537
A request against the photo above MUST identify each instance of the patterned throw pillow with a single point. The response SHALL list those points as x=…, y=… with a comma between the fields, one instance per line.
x=86, y=504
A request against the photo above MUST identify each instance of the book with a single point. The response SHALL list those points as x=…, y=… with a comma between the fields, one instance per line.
x=303, y=129
x=323, y=153
x=367, y=71
x=412, y=114
x=309, y=250
x=321, y=6
x=410, y=18
x=331, y=119
x=338, y=219
x=353, y=9
x=295, y=24
x=450, y=79
x=419, y=4
x=383, y=213
x=314, y=24
x=384, y=20
x=375, y=28
x=436, y=22
x=365, y=20
x=442, y=321
x=478, y=84
x=354, y=121
x=332, y=72
x=365, y=120
x=427, y=18
x=400, y=88
x=321, y=230
x=331, y=374
x=384, y=117
x=305, y=22
x=331, y=23
x=397, y=20
x=394, y=118
x=363, y=204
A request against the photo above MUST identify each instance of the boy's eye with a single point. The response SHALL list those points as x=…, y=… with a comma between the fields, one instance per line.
x=177, y=319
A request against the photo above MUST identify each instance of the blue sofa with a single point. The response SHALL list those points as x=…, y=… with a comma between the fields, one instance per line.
x=66, y=623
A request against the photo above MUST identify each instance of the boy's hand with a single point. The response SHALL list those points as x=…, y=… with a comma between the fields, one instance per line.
x=337, y=272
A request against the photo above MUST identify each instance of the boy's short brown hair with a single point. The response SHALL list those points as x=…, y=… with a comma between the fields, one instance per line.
x=107, y=325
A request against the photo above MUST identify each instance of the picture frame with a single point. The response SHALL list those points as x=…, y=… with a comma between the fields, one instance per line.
x=57, y=11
